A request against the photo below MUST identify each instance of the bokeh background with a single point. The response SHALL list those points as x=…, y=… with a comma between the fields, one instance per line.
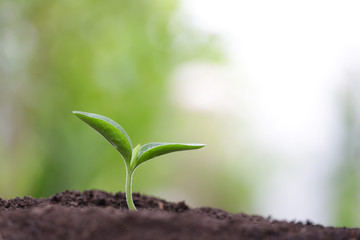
x=272, y=88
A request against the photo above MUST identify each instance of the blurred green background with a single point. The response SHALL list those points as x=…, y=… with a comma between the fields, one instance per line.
x=115, y=58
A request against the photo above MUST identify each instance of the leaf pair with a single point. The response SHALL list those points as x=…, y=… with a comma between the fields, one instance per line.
x=118, y=137
x=133, y=157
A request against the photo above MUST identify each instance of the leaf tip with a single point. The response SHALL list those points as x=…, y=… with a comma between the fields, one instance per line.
x=76, y=112
x=80, y=114
x=199, y=145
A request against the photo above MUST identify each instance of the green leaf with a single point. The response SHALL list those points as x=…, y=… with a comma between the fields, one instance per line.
x=151, y=150
x=110, y=130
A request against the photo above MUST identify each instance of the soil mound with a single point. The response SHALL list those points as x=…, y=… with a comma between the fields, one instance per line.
x=101, y=215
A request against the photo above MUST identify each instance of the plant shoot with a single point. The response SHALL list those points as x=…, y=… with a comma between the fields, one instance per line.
x=133, y=156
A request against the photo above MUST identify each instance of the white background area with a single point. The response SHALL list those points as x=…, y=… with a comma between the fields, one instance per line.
x=288, y=66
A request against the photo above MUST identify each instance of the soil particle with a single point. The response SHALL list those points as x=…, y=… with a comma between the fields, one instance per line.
x=101, y=215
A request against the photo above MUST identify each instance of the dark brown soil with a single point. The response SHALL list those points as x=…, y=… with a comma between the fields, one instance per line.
x=101, y=215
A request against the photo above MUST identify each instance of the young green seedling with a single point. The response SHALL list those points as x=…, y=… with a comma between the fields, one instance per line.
x=133, y=157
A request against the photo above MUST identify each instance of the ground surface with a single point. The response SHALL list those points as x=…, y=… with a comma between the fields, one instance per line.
x=101, y=215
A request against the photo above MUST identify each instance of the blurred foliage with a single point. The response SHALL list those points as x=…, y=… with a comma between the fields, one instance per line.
x=108, y=57
x=347, y=179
